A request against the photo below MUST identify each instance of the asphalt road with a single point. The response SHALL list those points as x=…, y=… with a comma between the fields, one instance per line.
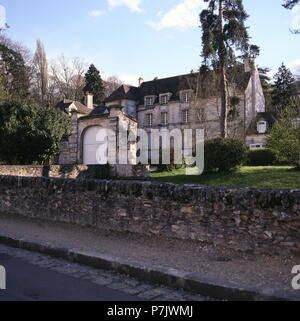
x=28, y=282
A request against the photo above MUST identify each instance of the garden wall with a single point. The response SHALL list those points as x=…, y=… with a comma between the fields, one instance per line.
x=77, y=171
x=243, y=219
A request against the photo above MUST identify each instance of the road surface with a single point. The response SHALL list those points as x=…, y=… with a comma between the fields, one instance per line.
x=33, y=276
x=28, y=282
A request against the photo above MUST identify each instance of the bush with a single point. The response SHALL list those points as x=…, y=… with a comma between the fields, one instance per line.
x=30, y=134
x=260, y=157
x=284, y=141
x=224, y=154
x=168, y=167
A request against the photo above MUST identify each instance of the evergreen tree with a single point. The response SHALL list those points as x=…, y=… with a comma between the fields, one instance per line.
x=223, y=34
x=94, y=84
x=13, y=72
x=30, y=133
x=267, y=86
x=283, y=90
x=290, y=4
x=284, y=140
x=264, y=78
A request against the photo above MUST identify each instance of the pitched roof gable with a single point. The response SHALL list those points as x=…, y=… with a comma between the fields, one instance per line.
x=66, y=104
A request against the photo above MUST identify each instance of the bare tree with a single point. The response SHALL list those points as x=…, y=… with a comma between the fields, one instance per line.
x=18, y=47
x=67, y=78
x=40, y=66
x=112, y=83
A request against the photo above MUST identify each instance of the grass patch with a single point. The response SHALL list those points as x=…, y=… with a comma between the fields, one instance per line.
x=264, y=177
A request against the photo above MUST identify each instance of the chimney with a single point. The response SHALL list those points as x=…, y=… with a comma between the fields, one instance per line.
x=89, y=101
x=249, y=64
x=141, y=80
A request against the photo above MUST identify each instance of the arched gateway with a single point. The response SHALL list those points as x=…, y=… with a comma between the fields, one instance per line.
x=90, y=145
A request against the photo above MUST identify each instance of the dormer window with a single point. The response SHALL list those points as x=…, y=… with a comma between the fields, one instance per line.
x=262, y=127
x=164, y=99
x=149, y=101
x=185, y=97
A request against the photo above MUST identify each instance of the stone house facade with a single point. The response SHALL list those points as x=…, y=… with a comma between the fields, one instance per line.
x=192, y=101
x=188, y=101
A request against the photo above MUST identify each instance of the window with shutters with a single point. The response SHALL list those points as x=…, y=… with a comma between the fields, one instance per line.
x=149, y=119
x=164, y=118
x=185, y=116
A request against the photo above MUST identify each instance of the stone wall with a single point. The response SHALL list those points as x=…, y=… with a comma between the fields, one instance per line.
x=77, y=171
x=259, y=220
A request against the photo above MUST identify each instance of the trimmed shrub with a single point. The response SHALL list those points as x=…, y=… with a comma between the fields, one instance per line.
x=224, y=154
x=260, y=157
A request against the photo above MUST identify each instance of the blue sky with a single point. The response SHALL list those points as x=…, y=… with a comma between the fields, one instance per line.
x=148, y=38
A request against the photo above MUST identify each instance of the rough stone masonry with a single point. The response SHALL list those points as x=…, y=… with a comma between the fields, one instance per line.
x=258, y=220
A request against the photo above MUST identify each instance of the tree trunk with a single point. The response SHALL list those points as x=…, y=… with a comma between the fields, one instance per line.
x=223, y=80
x=224, y=102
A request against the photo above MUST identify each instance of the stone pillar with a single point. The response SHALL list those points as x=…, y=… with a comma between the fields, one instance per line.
x=74, y=140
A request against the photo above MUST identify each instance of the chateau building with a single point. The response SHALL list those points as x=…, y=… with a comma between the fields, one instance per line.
x=188, y=101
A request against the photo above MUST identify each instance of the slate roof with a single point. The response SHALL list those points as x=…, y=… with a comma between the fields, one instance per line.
x=82, y=109
x=99, y=110
x=124, y=92
x=207, y=86
x=66, y=103
x=171, y=85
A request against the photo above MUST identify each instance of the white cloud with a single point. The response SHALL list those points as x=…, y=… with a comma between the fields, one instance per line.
x=294, y=66
x=128, y=79
x=183, y=16
x=96, y=13
x=271, y=75
x=296, y=17
x=133, y=5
